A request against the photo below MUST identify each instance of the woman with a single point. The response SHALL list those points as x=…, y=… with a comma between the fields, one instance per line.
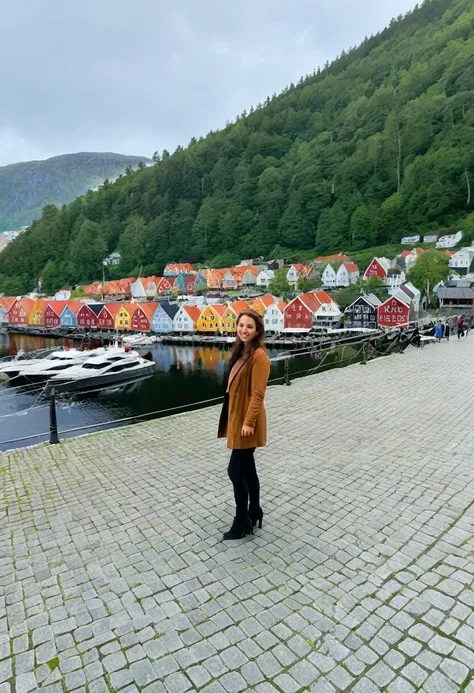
x=243, y=420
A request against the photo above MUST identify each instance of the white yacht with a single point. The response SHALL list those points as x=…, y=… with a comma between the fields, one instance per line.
x=115, y=367
x=46, y=366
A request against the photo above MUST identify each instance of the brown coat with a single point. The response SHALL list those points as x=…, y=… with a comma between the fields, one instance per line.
x=244, y=404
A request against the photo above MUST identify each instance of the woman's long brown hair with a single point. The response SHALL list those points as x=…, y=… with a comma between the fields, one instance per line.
x=257, y=341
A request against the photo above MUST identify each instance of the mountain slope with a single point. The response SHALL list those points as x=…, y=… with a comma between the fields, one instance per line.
x=378, y=144
x=27, y=187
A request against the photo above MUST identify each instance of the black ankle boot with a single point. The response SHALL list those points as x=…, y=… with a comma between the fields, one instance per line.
x=256, y=515
x=240, y=527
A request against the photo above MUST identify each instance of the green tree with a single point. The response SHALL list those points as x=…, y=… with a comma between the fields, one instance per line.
x=430, y=268
x=86, y=253
x=305, y=284
x=279, y=284
x=374, y=285
x=51, y=278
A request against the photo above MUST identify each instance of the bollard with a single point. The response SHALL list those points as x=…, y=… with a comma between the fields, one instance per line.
x=287, y=372
x=53, y=423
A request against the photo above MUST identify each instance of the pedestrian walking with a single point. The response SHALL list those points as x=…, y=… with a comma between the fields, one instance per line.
x=243, y=420
x=459, y=323
x=438, y=331
x=447, y=329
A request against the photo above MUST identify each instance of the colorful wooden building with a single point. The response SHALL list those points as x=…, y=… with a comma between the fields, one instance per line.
x=229, y=319
x=36, y=316
x=52, y=313
x=141, y=318
x=107, y=315
x=210, y=319
x=186, y=319
x=123, y=318
x=393, y=313
x=162, y=319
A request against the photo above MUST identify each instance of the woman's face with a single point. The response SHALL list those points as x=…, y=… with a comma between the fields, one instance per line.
x=246, y=329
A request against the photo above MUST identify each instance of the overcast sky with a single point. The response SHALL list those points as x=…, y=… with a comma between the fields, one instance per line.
x=144, y=75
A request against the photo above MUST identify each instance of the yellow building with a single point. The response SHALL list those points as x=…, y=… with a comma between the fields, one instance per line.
x=123, y=319
x=211, y=317
x=36, y=317
x=229, y=320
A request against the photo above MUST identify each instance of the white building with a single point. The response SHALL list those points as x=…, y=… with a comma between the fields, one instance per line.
x=249, y=278
x=62, y=295
x=3, y=315
x=449, y=240
x=137, y=289
x=410, y=240
x=264, y=277
x=395, y=277
x=228, y=280
x=327, y=315
x=462, y=259
x=347, y=274
x=431, y=237
x=293, y=274
x=112, y=259
x=186, y=318
x=274, y=317
x=329, y=276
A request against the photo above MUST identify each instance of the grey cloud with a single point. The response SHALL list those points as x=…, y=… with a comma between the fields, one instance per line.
x=112, y=75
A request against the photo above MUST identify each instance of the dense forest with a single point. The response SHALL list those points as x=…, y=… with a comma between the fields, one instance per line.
x=378, y=144
x=26, y=187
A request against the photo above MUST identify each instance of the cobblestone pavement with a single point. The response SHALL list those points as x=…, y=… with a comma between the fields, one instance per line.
x=113, y=575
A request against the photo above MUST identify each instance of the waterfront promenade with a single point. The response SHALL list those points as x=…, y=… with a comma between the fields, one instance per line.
x=113, y=575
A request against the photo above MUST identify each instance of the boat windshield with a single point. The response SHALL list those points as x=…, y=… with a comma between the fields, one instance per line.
x=96, y=366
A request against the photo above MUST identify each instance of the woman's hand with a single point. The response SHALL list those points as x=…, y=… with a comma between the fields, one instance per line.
x=247, y=431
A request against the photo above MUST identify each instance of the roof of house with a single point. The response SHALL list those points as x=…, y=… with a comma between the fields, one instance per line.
x=193, y=311
x=7, y=302
x=219, y=308
x=75, y=306
x=455, y=292
x=57, y=306
x=147, y=308
x=281, y=305
x=351, y=267
x=96, y=307
x=266, y=299
x=113, y=308
x=239, y=306
x=170, y=308
x=299, y=267
x=340, y=257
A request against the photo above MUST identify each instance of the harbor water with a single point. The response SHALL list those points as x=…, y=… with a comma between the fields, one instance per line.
x=185, y=375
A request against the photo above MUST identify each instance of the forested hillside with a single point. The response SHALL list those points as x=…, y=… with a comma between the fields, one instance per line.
x=375, y=145
x=26, y=187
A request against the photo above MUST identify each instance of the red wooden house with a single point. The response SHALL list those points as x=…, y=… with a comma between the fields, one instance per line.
x=299, y=312
x=20, y=310
x=52, y=314
x=141, y=318
x=165, y=286
x=393, y=313
x=377, y=268
x=86, y=317
x=106, y=317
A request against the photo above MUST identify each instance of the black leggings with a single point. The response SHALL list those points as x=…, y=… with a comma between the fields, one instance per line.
x=244, y=477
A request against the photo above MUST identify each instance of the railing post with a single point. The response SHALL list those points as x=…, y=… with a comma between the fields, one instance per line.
x=364, y=356
x=287, y=372
x=53, y=423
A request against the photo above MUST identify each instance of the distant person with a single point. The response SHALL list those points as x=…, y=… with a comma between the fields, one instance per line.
x=243, y=420
x=466, y=324
x=447, y=329
x=460, y=328
x=438, y=331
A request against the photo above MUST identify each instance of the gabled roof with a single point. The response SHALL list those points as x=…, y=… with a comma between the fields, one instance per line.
x=75, y=306
x=27, y=304
x=129, y=307
x=340, y=257
x=113, y=308
x=7, y=302
x=219, y=308
x=193, y=311
x=239, y=306
x=57, y=306
x=148, y=308
x=299, y=267
x=281, y=305
x=267, y=300
x=170, y=308
x=455, y=292
x=96, y=307
x=351, y=266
